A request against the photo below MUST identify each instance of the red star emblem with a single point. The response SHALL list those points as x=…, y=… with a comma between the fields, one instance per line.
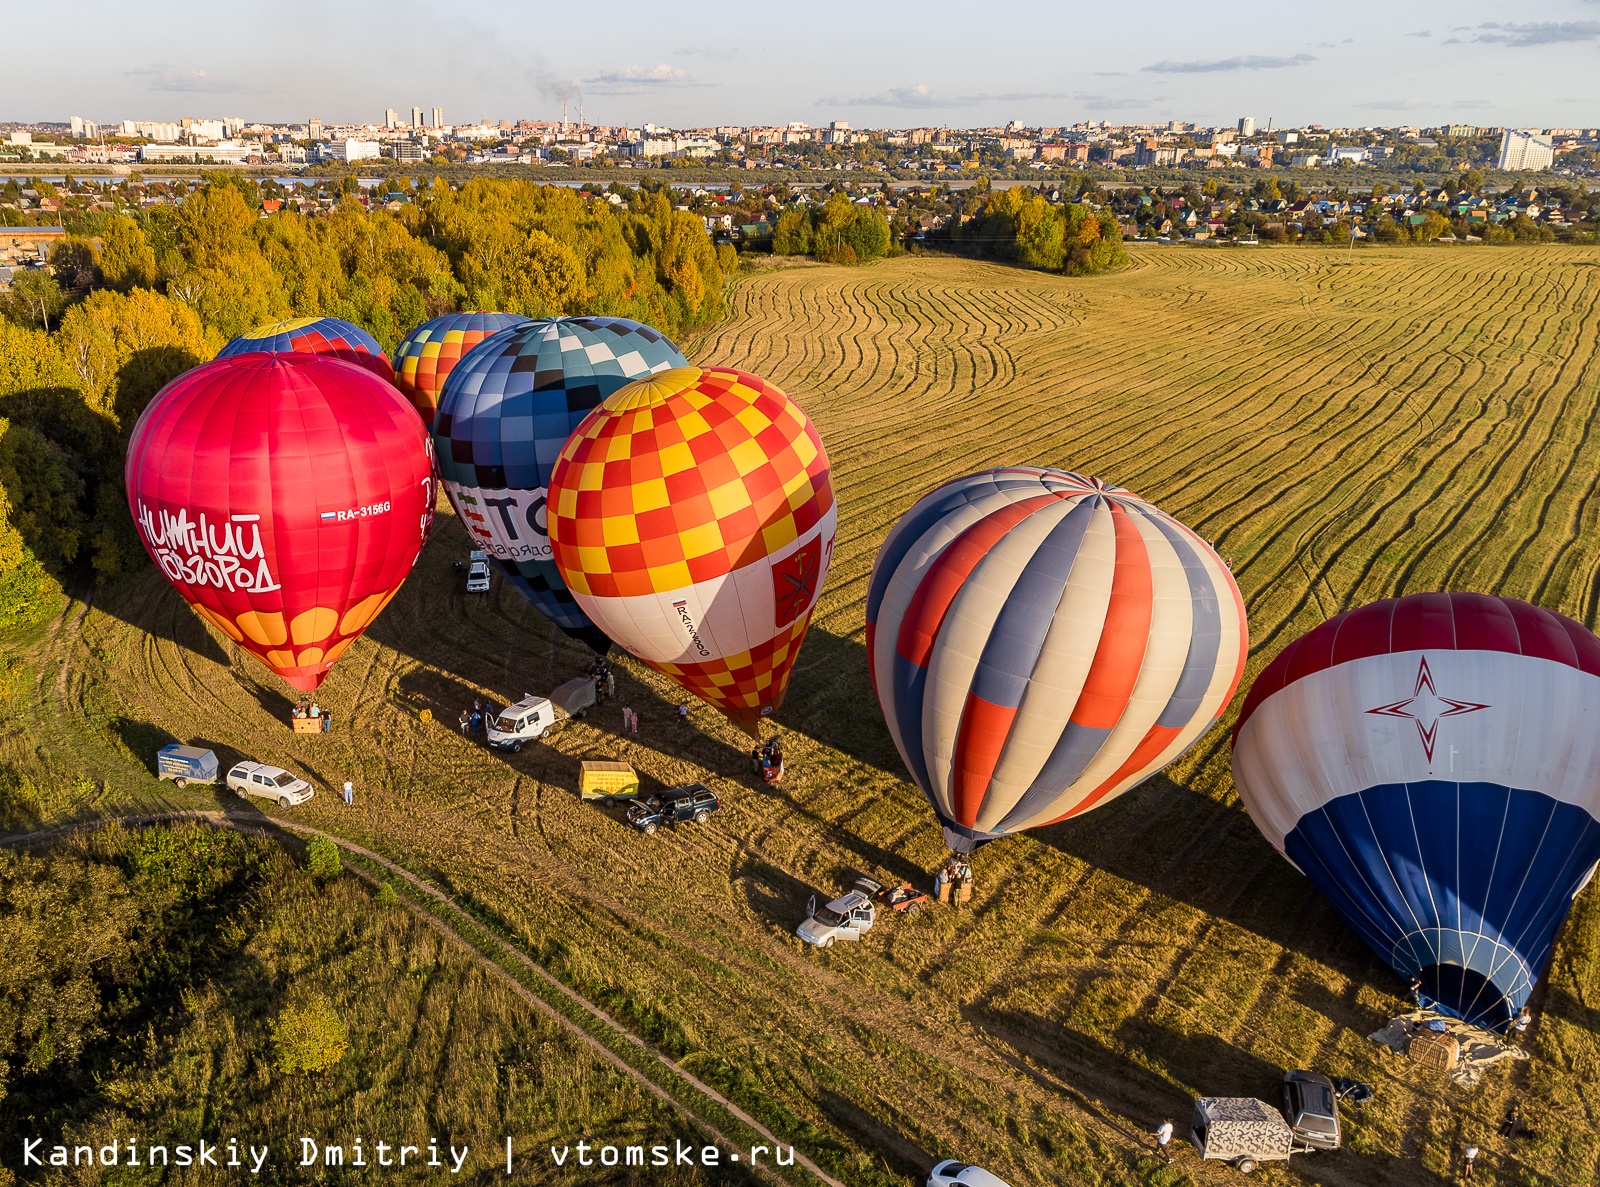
x=1427, y=708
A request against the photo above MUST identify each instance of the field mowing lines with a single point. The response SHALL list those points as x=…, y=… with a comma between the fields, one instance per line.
x=1529, y=419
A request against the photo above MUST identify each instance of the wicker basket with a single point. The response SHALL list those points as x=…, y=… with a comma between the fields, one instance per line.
x=1437, y=1052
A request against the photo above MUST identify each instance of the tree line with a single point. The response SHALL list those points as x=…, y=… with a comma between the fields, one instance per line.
x=136, y=296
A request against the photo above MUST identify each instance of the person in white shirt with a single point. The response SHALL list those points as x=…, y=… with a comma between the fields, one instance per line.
x=1164, y=1138
x=1469, y=1157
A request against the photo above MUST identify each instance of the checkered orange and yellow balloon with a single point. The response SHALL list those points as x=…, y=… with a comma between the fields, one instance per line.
x=692, y=517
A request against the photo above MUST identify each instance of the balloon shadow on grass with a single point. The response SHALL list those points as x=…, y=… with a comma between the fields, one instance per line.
x=1189, y=848
x=145, y=601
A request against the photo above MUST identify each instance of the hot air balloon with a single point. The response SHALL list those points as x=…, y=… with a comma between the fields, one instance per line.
x=1040, y=642
x=314, y=335
x=504, y=414
x=286, y=497
x=1432, y=764
x=692, y=517
x=426, y=356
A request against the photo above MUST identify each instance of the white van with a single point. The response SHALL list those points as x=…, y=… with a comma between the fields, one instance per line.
x=477, y=572
x=530, y=717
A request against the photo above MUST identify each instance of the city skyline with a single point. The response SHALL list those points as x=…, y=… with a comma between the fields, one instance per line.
x=896, y=66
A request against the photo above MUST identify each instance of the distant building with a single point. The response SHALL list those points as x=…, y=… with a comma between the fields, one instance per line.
x=1288, y=137
x=416, y=117
x=219, y=154
x=1467, y=131
x=391, y=118
x=83, y=129
x=410, y=150
x=438, y=117
x=1525, y=151
x=350, y=150
x=314, y=129
x=1247, y=126
x=838, y=132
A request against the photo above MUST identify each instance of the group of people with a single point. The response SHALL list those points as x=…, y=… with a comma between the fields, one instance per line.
x=768, y=760
x=954, y=880
x=605, y=681
x=475, y=721
x=314, y=712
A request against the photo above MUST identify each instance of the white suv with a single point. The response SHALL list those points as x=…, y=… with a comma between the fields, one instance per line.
x=272, y=783
x=951, y=1173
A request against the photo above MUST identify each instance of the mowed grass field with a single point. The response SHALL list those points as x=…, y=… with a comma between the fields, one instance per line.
x=1343, y=429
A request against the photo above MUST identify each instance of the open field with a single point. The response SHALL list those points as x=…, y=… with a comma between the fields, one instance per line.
x=1406, y=420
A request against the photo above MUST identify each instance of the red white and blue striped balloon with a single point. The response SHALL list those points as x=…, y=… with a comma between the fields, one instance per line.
x=1432, y=764
x=1040, y=642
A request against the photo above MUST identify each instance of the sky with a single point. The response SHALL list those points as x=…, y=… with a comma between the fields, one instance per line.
x=872, y=64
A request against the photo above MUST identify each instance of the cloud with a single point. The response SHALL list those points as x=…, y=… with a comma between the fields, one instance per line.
x=693, y=51
x=1541, y=33
x=1423, y=104
x=924, y=98
x=1245, y=62
x=1421, y=33
x=193, y=82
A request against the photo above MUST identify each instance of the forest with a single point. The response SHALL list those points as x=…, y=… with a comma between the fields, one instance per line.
x=137, y=294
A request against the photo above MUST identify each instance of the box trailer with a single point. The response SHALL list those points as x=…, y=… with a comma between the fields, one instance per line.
x=186, y=764
x=1240, y=1130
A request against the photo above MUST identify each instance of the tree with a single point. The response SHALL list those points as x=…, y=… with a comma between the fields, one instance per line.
x=309, y=1037
x=126, y=258
x=35, y=299
x=322, y=858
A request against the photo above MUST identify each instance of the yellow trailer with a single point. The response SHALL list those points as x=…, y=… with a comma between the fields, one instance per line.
x=608, y=781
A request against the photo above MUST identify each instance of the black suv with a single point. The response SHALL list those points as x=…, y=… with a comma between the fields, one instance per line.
x=695, y=802
x=1310, y=1109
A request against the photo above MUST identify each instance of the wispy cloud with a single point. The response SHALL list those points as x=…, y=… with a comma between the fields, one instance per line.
x=1540, y=33
x=1424, y=105
x=1244, y=62
x=195, y=82
x=638, y=80
x=924, y=97
x=706, y=51
x=1420, y=33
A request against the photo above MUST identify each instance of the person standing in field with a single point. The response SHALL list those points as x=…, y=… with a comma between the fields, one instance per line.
x=349, y=793
x=627, y=716
x=1520, y=1025
x=1468, y=1158
x=1163, y=1136
x=633, y=722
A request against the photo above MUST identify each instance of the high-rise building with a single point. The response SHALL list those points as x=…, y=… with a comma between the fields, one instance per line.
x=438, y=117
x=1525, y=150
x=314, y=129
x=416, y=117
x=391, y=118
x=83, y=129
x=1247, y=126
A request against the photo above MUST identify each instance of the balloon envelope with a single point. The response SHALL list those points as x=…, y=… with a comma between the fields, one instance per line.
x=692, y=517
x=328, y=336
x=1432, y=764
x=427, y=355
x=286, y=497
x=1040, y=642
x=505, y=412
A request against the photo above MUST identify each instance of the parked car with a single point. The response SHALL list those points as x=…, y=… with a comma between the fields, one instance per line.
x=695, y=802
x=186, y=764
x=951, y=1173
x=847, y=918
x=477, y=572
x=1310, y=1108
x=270, y=783
x=530, y=717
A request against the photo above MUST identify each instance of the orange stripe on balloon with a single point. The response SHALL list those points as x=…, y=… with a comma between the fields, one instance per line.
x=1125, y=633
x=984, y=730
x=920, y=624
x=1153, y=743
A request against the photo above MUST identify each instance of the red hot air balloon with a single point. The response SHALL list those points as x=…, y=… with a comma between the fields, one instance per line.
x=286, y=497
